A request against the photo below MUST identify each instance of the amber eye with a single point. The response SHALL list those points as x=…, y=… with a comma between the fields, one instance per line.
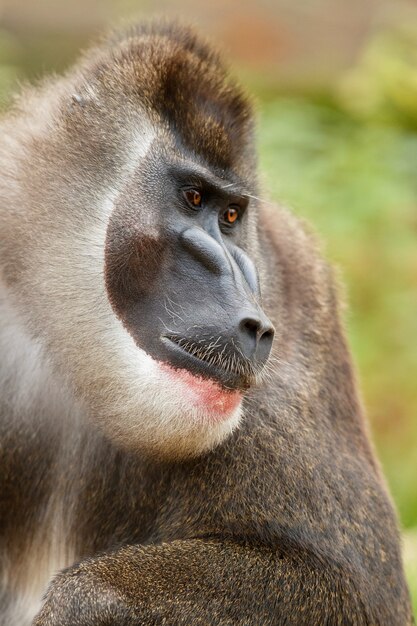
x=194, y=197
x=231, y=214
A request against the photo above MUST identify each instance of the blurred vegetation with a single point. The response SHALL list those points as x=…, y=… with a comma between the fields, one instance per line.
x=345, y=159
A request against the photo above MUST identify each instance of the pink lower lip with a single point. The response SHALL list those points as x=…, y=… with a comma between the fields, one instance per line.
x=207, y=393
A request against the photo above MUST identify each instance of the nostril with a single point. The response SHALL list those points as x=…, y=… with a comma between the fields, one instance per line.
x=255, y=337
x=267, y=335
x=251, y=326
x=256, y=329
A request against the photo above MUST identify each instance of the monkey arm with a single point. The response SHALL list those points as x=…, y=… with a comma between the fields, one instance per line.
x=201, y=582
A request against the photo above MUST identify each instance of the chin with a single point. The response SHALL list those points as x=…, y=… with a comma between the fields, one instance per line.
x=169, y=413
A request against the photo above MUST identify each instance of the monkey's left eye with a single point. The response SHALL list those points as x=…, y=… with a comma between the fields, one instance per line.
x=231, y=215
x=193, y=197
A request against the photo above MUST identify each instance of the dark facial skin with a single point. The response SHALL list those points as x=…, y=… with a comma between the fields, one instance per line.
x=183, y=285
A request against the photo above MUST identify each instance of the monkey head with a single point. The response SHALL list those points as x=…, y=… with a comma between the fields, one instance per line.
x=188, y=293
x=144, y=236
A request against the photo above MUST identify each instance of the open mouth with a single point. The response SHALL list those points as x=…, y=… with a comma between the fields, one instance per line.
x=209, y=361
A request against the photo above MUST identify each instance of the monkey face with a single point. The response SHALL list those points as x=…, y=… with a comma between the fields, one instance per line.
x=179, y=279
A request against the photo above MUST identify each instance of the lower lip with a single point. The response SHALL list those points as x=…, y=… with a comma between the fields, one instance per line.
x=205, y=393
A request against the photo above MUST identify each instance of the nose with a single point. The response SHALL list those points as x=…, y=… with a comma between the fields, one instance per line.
x=255, y=333
x=251, y=330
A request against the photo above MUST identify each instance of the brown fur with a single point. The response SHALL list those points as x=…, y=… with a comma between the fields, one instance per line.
x=288, y=521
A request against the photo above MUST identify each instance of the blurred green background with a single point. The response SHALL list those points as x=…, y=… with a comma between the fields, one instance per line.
x=336, y=85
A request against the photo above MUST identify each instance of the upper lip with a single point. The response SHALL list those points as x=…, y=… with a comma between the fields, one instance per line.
x=227, y=378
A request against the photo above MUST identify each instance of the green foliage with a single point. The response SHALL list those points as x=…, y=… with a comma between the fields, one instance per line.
x=384, y=84
x=9, y=71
